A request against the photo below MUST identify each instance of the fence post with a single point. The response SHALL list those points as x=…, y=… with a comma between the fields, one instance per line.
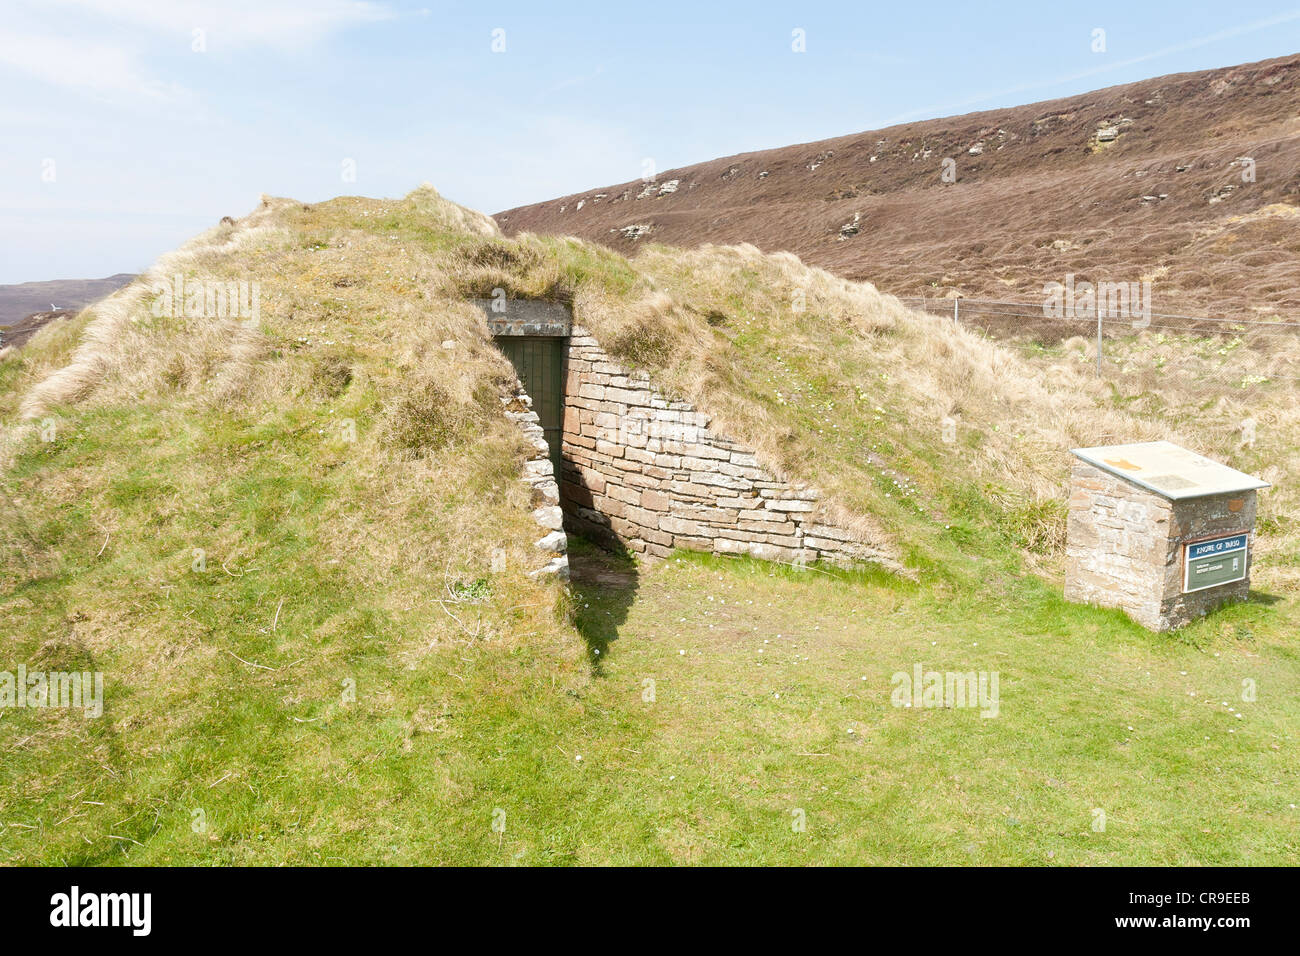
x=1099, y=343
x=954, y=309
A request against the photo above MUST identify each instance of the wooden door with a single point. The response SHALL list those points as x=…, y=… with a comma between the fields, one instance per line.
x=539, y=362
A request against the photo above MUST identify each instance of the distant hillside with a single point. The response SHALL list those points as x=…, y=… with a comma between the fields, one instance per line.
x=1142, y=181
x=18, y=333
x=17, y=302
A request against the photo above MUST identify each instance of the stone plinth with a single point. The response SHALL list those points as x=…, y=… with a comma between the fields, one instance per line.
x=1132, y=546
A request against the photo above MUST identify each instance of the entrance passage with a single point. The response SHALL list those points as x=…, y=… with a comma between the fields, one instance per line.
x=539, y=360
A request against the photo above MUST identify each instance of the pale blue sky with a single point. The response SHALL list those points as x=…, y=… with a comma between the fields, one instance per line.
x=152, y=141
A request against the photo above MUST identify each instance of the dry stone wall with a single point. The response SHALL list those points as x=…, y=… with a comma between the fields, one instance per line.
x=653, y=475
x=539, y=475
x=1117, y=536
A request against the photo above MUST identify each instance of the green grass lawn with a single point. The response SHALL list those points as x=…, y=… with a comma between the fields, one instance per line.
x=737, y=712
x=772, y=695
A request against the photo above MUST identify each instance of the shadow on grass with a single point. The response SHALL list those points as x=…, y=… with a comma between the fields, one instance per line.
x=1262, y=597
x=604, y=584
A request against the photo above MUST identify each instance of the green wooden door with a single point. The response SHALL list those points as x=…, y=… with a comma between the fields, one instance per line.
x=539, y=361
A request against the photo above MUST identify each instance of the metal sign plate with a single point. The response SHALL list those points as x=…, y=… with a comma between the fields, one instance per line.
x=1209, y=564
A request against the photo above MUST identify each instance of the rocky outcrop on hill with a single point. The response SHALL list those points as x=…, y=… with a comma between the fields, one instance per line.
x=1191, y=181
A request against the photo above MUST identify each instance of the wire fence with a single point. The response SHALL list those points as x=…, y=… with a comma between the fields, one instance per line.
x=967, y=308
x=984, y=314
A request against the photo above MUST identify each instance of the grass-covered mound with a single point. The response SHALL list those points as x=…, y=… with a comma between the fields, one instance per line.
x=275, y=538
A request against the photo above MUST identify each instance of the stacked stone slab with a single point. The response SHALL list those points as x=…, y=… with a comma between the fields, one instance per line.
x=1125, y=547
x=652, y=475
x=539, y=475
x=525, y=316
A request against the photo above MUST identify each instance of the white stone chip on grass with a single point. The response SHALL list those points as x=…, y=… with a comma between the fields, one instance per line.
x=558, y=566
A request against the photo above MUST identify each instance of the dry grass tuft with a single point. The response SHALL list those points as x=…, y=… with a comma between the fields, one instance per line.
x=427, y=417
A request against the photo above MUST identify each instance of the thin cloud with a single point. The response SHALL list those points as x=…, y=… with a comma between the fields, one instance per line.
x=89, y=66
x=277, y=23
x=571, y=82
x=107, y=59
x=948, y=109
